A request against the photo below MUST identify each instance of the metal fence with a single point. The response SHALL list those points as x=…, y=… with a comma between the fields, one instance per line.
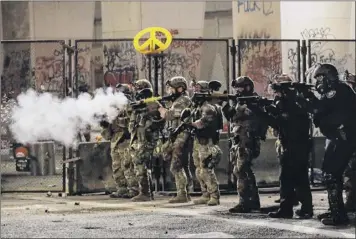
x=29, y=64
x=262, y=59
x=110, y=61
x=46, y=66
x=339, y=52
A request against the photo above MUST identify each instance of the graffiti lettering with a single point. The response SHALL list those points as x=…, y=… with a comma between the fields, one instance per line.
x=317, y=33
x=48, y=72
x=16, y=75
x=182, y=59
x=172, y=31
x=255, y=6
x=326, y=51
x=89, y=63
x=120, y=63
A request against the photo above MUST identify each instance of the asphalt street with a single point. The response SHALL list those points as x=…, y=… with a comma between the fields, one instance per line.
x=94, y=216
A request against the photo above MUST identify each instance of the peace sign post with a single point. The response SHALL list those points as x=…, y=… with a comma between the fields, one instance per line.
x=153, y=46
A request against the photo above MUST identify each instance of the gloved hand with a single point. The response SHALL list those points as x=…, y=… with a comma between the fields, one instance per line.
x=342, y=132
x=104, y=123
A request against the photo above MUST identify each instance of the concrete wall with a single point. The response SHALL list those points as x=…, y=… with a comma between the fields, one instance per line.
x=254, y=19
x=320, y=20
x=62, y=20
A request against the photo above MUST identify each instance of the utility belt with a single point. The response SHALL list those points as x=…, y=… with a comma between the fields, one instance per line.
x=204, y=141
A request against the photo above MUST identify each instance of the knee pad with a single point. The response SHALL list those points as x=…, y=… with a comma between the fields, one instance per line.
x=329, y=179
x=176, y=166
x=243, y=153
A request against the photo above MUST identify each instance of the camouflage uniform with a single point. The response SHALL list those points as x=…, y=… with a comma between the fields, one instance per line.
x=122, y=165
x=176, y=152
x=248, y=130
x=144, y=136
x=206, y=151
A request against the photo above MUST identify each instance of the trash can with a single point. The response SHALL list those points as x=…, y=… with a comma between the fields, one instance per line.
x=42, y=158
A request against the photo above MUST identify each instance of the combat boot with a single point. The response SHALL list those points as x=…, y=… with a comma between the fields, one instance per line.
x=180, y=198
x=336, y=221
x=214, y=201
x=240, y=208
x=281, y=214
x=189, y=198
x=130, y=194
x=324, y=215
x=304, y=214
x=255, y=205
x=204, y=199
x=120, y=193
x=141, y=198
x=350, y=203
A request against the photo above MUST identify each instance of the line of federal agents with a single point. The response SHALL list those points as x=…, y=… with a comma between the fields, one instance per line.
x=176, y=125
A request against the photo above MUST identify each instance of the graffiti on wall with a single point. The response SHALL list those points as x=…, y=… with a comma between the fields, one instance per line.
x=183, y=58
x=260, y=59
x=120, y=63
x=17, y=73
x=246, y=6
x=336, y=53
x=48, y=67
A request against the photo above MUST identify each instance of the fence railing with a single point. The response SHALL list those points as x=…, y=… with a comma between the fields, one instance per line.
x=59, y=68
x=339, y=52
x=110, y=61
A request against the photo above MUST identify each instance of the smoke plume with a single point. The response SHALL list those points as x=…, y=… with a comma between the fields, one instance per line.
x=43, y=116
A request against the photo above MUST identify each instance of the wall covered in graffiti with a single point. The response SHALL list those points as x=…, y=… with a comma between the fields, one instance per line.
x=120, y=62
x=339, y=53
x=193, y=59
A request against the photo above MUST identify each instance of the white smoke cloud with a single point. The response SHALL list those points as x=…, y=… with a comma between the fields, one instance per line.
x=43, y=116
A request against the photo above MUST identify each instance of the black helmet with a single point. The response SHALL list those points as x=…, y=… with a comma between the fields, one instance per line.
x=242, y=82
x=327, y=71
x=124, y=88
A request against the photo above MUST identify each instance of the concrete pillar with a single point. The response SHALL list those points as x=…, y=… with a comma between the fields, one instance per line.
x=17, y=67
x=259, y=60
x=321, y=20
x=59, y=21
x=63, y=20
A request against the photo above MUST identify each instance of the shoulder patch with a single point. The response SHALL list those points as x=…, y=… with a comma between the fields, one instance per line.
x=331, y=94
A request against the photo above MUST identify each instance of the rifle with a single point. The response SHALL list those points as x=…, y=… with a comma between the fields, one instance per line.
x=292, y=86
x=145, y=97
x=257, y=100
x=201, y=97
x=185, y=117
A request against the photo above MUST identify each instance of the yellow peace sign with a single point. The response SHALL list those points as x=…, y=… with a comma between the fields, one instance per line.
x=152, y=44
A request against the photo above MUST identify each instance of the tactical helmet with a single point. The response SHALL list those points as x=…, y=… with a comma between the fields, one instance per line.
x=242, y=81
x=142, y=84
x=327, y=71
x=282, y=78
x=84, y=88
x=350, y=78
x=177, y=81
x=124, y=88
x=204, y=86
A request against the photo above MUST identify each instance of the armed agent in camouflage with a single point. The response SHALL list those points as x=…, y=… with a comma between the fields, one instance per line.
x=144, y=128
x=248, y=130
x=176, y=152
x=207, y=120
x=122, y=166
